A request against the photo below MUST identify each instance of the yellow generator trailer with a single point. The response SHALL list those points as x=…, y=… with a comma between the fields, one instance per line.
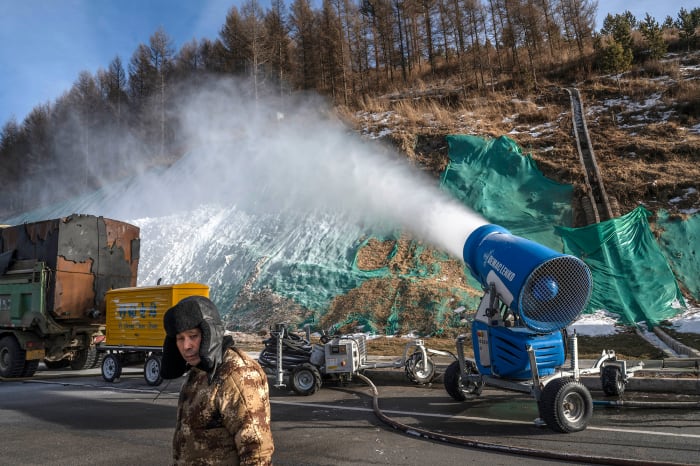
x=134, y=327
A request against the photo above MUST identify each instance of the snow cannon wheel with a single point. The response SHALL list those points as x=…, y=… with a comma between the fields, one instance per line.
x=455, y=387
x=611, y=380
x=418, y=370
x=305, y=379
x=566, y=405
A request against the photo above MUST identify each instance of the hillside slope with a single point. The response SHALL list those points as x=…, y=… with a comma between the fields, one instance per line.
x=644, y=125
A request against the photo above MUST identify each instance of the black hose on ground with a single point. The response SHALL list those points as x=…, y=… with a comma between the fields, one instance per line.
x=500, y=448
x=648, y=404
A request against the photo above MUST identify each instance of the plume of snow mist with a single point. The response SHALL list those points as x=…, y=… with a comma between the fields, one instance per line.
x=270, y=157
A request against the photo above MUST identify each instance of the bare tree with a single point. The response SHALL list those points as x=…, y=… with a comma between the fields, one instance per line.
x=189, y=60
x=255, y=51
x=113, y=85
x=304, y=32
x=278, y=43
x=233, y=42
x=162, y=53
x=85, y=99
x=578, y=17
x=427, y=8
x=142, y=77
x=378, y=14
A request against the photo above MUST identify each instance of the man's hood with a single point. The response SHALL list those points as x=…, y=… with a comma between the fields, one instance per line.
x=192, y=312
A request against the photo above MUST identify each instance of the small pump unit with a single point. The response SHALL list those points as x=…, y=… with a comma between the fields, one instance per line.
x=346, y=354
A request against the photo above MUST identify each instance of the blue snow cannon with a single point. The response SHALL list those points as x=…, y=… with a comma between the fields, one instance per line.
x=532, y=293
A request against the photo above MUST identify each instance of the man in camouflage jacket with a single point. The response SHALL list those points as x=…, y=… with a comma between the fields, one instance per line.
x=223, y=413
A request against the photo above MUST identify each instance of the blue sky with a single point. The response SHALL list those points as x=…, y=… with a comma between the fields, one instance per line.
x=45, y=44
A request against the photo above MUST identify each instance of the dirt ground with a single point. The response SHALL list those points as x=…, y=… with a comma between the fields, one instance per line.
x=626, y=345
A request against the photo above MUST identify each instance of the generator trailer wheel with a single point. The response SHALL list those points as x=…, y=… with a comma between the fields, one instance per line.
x=111, y=368
x=305, y=379
x=151, y=370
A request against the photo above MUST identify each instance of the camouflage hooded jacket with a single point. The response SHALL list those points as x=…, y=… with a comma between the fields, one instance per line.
x=226, y=421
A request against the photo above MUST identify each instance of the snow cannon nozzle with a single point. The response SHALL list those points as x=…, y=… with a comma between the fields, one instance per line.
x=547, y=289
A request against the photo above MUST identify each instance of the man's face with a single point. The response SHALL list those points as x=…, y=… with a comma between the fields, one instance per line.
x=188, y=343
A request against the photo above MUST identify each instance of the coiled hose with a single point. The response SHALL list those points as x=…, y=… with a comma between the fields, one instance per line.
x=295, y=350
x=500, y=448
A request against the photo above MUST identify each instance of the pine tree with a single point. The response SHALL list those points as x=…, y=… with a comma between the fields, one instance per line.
x=653, y=35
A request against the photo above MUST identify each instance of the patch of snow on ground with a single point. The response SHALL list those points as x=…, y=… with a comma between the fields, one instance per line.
x=603, y=323
x=688, y=193
x=600, y=323
x=688, y=322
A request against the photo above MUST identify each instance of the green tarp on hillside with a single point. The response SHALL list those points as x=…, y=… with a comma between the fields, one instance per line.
x=680, y=242
x=494, y=178
x=631, y=276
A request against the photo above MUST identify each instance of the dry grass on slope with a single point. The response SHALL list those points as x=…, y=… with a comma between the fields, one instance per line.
x=639, y=127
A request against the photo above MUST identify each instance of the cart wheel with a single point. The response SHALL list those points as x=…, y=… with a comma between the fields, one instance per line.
x=111, y=368
x=306, y=379
x=454, y=385
x=418, y=370
x=612, y=381
x=151, y=370
x=566, y=405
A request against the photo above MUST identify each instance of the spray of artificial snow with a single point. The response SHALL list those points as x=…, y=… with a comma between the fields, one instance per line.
x=294, y=157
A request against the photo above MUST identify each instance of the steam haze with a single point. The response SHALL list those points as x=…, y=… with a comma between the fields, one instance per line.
x=287, y=182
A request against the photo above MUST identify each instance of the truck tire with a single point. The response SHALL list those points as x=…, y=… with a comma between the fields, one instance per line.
x=151, y=370
x=12, y=358
x=30, y=368
x=60, y=364
x=84, y=359
x=111, y=368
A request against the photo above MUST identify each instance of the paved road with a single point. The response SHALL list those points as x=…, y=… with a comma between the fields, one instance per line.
x=59, y=419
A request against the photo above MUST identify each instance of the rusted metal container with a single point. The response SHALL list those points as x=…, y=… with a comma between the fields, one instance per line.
x=87, y=256
x=135, y=315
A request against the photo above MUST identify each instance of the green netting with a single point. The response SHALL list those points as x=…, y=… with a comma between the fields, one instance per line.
x=631, y=272
x=680, y=241
x=631, y=277
x=494, y=178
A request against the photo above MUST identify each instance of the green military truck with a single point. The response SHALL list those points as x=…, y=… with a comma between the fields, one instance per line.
x=54, y=275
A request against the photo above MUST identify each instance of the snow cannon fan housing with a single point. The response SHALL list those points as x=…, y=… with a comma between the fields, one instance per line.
x=547, y=289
